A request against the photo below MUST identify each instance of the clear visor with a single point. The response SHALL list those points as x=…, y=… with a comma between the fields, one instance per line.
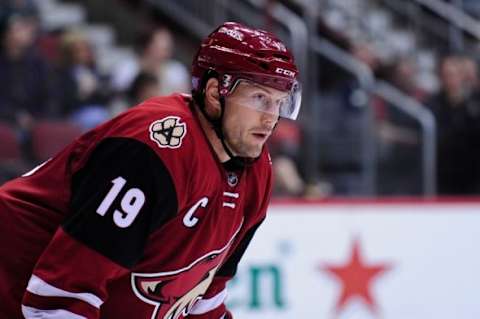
x=267, y=99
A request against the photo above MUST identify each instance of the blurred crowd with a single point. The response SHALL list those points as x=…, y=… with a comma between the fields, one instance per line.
x=455, y=106
x=53, y=77
x=344, y=110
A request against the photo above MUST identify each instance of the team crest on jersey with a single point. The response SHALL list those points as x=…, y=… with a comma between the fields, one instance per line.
x=174, y=293
x=168, y=132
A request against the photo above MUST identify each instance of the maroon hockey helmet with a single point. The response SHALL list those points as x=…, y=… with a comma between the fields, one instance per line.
x=235, y=52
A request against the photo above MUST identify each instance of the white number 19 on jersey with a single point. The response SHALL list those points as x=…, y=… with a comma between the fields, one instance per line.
x=131, y=203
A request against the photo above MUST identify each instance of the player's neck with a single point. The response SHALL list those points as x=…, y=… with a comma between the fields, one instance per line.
x=212, y=137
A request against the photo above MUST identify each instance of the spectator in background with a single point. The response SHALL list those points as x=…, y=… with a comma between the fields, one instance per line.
x=457, y=110
x=144, y=86
x=25, y=7
x=82, y=89
x=332, y=76
x=400, y=164
x=284, y=147
x=155, y=49
x=26, y=90
x=470, y=73
x=343, y=114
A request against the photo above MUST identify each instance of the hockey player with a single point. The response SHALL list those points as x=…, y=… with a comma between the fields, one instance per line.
x=148, y=215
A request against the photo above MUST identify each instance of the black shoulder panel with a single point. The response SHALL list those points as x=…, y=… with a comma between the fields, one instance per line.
x=122, y=194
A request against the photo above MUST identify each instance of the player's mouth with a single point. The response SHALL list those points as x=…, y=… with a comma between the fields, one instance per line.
x=261, y=136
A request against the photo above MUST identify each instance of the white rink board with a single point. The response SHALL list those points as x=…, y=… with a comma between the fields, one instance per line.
x=431, y=249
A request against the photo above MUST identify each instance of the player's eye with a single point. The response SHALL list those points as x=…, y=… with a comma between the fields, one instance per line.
x=260, y=97
x=260, y=101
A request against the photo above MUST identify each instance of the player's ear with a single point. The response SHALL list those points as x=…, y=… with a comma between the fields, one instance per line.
x=212, y=98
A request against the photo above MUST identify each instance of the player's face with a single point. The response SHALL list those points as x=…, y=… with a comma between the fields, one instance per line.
x=251, y=112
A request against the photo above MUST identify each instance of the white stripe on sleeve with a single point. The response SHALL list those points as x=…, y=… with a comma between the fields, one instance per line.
x=205, y=305
x=39, y=287
x=33, y=313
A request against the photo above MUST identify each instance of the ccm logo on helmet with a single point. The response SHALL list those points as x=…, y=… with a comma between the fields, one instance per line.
x=285, y=72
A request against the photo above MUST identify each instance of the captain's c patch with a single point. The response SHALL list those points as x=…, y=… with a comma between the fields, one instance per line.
x=168, y=132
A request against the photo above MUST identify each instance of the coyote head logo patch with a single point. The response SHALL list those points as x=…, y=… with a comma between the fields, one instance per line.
x=168, y=132
x=175, y=294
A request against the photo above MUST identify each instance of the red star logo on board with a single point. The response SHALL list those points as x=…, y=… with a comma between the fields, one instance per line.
x=356, y=277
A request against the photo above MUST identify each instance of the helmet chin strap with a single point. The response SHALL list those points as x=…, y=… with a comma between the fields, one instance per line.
x=235, y=162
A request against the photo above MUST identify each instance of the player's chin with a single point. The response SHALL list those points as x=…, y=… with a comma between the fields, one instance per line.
x=249, y=148
x=253, y=151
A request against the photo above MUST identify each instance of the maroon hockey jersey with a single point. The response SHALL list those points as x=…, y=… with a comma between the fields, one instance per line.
x=135, y=219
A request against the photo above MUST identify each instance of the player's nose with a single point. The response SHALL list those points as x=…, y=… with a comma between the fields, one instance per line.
x=269, y=120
